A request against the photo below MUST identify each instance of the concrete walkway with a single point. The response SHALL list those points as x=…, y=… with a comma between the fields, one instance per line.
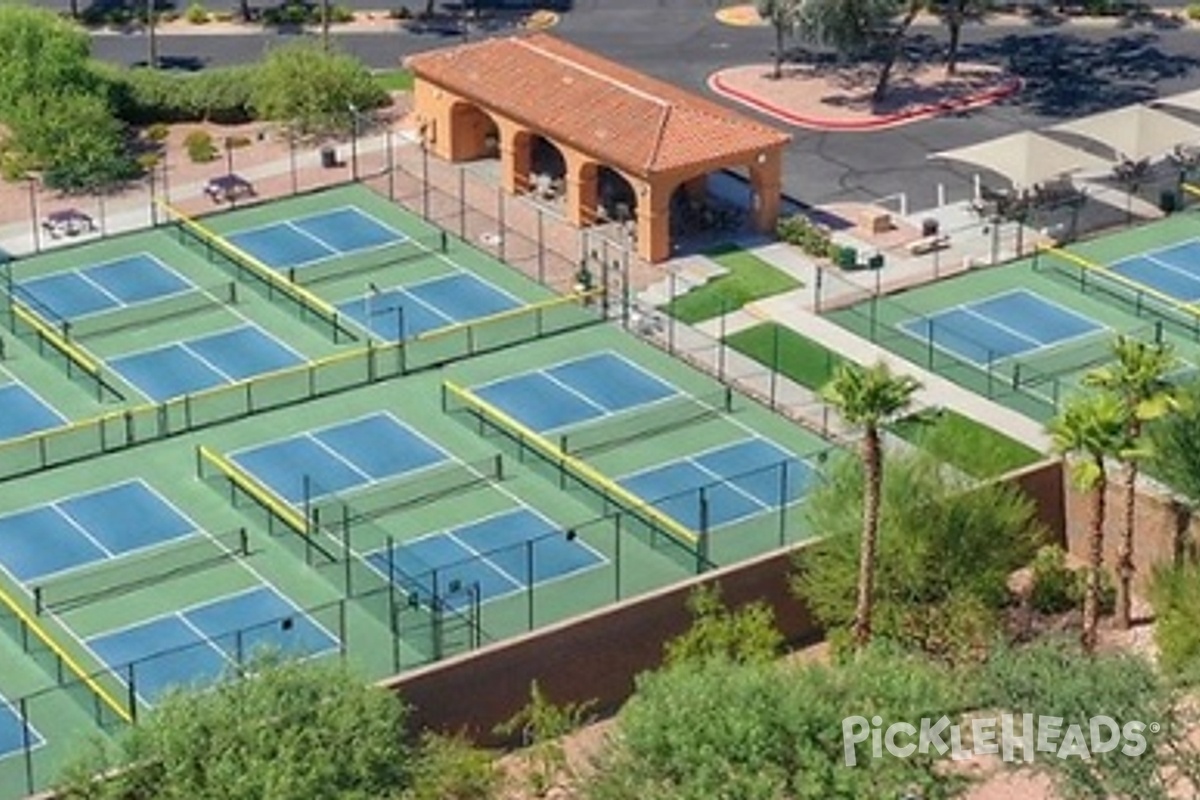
x=701, y=345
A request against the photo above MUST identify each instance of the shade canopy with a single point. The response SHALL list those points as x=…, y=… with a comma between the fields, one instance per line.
x=1027, y=158
x=1135, y=132
x=1189, y=101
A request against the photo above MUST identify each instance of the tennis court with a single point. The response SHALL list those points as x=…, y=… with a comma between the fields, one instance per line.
x=303, y=241
x=400, y=312
x=107, y=286
x=486, y=559
x=340, y=458
x=724, y=485
x=87, y=528
x=199, y=363
x=1014, y=323
x=1173, y=270
x=22, y=411
x=199, y=645
x=582, y=390
x=16, y=735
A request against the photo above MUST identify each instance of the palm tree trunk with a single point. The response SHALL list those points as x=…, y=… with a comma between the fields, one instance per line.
x=325, y=25
x=872, y=485
x=1091, y=598
x=1125, y=567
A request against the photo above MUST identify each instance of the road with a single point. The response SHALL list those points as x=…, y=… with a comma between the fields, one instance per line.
x=1070, y=71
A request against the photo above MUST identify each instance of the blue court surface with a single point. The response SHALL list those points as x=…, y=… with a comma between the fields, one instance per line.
x=196, y=646
x=101, y=287
x=22, y=412
x=340, y=458
x=299, y=242
x=576, y=391
x=490, y=557
x=403, y=312
x=1001, y=326
x=87, y=528
x=14, y=731
x=737, y=481
x=1174, y=270
x=196, y=364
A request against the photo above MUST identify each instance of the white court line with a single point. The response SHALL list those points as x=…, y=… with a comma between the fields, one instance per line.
x=366, y=478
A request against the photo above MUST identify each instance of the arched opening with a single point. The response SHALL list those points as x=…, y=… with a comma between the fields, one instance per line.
x=474, y=134
x=709, y=208
x=547, y=168
x=615, y=196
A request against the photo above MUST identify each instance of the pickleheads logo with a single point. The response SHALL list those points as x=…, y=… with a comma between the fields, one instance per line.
x=1012, y=737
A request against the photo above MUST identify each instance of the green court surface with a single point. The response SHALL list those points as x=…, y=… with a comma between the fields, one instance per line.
x=939, y=327
x=392, y=504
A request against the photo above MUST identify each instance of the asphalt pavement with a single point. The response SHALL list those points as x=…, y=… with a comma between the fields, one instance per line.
x=1070, y=70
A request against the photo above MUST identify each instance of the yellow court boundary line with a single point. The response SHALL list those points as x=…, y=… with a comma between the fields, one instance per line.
x=578, y=465
x=71, y=663
x=1174, y=302
x=247, y=483
x=262, y=270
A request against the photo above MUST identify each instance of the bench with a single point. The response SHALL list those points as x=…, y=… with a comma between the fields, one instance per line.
x=928, y=244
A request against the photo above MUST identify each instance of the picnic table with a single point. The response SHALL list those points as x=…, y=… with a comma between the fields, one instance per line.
x=228, y=188
x=68, y=222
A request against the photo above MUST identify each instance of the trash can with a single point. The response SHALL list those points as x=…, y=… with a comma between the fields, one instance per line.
x=1168, y=201
x=329, y=158
x=875, y=261
x=846, y=257
x=929, y=227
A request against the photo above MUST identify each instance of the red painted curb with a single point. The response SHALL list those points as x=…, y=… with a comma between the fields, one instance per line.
x=1010, y=87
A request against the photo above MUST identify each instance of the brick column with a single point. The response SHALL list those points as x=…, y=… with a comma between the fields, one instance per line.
x=767, y=184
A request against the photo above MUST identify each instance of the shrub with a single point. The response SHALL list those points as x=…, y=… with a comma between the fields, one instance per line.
x=340, y=15
x=158, y=132
x=400, y=13
x=1175, y=593
x=810, y=237
x=1193, y=12
x=142, y=95
x=200, y=147
x=197, y=14
x=1057, y=588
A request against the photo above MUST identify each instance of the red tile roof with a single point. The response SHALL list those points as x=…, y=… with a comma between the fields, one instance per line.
x=618, y=115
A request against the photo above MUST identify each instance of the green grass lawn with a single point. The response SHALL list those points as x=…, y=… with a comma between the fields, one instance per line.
x=962, y=442
x=395, y=80
x=800, y=359
x=749, y=278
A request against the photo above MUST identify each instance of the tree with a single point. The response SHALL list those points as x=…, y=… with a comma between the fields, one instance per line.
x=1092, y=427
x=1175, y=444
x=746, y=635
x=303, y=85
x=44, y=57
x=868, y=398
x=860, y=28
x=763, y=731
x=293, y=731
x=954, y=13
x=946, y=549
x=782, y=16
x=1138, y=378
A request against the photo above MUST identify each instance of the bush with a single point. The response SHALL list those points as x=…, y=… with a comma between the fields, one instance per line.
x=158, y=132
x=810, y=237
x=340, y=15
x=305, y=85
x=143, y=96
x=200, y=147
x=400, y=13
x=1057, y=588
x=197, y=14
x=1175, y=593
x=1193, y=12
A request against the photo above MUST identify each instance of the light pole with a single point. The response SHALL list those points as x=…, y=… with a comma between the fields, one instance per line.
x=353, y=140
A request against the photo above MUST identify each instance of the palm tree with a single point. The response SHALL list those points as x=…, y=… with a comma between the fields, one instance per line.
x=1138, y=378
x=868, y=398
x=1092, y=426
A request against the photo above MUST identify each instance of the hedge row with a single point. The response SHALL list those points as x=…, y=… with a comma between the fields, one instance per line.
x=141, y=96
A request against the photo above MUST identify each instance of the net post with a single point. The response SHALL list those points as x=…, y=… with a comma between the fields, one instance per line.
x=38, y=605
x=783, y=501
x=243, y=542
x=499, y=466
x=728, y=399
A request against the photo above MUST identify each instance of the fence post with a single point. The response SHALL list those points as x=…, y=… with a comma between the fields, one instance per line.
x=774, y=362
x=501, y=234
x=541, y=248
